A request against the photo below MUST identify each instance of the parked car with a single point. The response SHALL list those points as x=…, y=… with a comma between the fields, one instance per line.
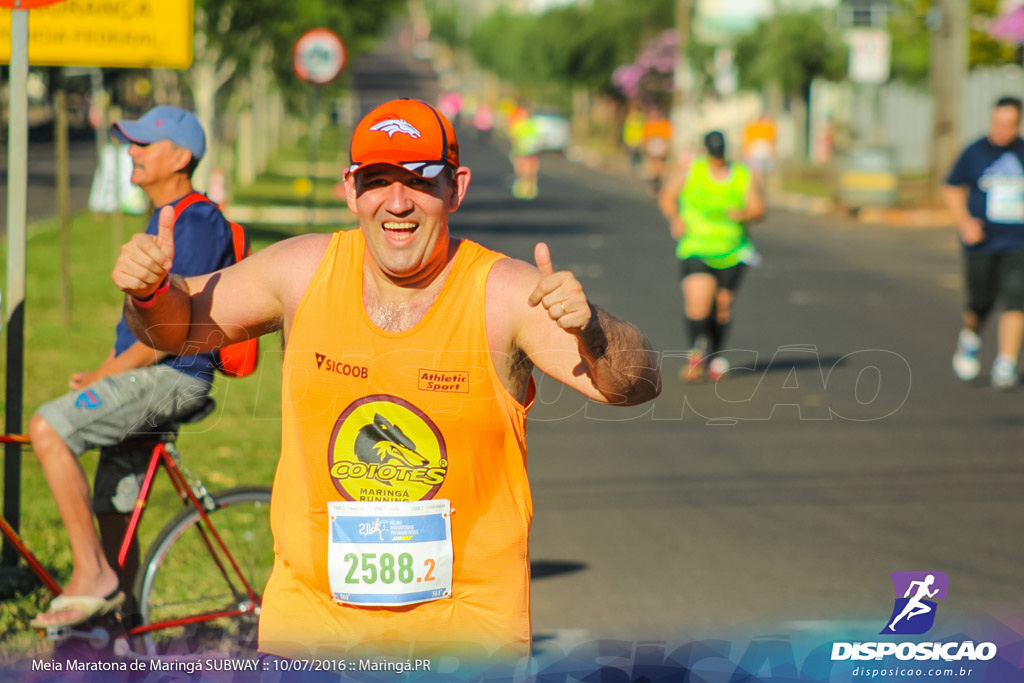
x=555, y=135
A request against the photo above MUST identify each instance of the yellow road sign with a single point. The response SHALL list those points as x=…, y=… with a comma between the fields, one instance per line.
x=869, y=180
x=114, y=33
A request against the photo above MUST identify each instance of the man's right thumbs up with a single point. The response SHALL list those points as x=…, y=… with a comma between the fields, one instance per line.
x=165, y=235
x=145, y=260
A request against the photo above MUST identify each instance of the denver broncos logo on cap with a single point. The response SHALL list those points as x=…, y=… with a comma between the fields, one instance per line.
x=430, y=143
x=392, y=126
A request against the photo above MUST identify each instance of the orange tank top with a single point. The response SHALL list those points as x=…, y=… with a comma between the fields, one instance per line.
x=400, y=419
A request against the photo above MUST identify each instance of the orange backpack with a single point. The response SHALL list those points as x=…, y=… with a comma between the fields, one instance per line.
x=234, y=360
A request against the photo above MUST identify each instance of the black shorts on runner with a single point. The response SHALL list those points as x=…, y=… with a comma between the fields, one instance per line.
x=991, y=277
x=727, y=278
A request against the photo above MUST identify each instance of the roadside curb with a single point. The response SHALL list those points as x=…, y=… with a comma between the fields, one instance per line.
x=875, y=215
x=280, y=215
x=909, y=218
x=800, y=203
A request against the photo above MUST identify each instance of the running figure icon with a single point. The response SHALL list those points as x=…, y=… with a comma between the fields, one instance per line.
x=371, y=528
x=915, y=606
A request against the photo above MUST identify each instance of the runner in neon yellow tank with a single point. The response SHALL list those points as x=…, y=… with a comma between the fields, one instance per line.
x=525, y=136
x=708, y=206
x=705, y=206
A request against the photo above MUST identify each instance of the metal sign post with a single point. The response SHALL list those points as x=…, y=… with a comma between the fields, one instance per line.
x=14, y=318
x=14, y=315
x=317, y=58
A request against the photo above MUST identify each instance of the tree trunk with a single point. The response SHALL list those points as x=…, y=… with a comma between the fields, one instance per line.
x=798, y=106
x=204, y=94
x=580, y=115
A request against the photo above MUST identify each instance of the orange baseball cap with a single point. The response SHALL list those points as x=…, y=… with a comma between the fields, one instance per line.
x=407, y=133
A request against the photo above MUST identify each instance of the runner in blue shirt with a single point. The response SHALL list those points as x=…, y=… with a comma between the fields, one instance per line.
x=985, y=193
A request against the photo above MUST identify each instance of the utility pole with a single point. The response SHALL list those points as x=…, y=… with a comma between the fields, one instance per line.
x=948, y=22
x=681, y=83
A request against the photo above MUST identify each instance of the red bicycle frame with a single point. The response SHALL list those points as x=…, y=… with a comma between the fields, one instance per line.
x=161, y=457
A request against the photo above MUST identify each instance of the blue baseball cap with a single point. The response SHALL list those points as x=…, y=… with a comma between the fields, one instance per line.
x=164, y=123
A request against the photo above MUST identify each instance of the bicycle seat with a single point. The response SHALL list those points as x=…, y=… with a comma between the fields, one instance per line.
x=201, y=413
x=168, y=431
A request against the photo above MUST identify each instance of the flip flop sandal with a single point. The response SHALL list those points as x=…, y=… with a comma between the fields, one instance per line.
x=87, y=606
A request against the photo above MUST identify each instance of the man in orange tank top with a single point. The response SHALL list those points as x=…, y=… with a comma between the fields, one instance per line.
x=394, y=529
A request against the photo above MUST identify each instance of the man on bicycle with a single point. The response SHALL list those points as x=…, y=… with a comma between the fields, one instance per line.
x=406, y=385
x=135, y=390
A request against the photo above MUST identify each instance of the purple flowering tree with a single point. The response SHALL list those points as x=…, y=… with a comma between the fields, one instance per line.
x=649, y=79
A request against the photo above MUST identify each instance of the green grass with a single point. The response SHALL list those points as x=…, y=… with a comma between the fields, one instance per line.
x=237, y=445
x=333, y=146
x=280, y=190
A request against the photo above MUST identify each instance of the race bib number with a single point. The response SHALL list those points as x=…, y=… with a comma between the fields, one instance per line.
x=388, y=554
x=1005, y=203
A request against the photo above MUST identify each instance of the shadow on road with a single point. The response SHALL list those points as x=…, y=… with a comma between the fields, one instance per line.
x=804, y=362
x=544, y=569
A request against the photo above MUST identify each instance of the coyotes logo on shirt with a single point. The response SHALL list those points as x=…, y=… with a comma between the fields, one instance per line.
x=383, y=448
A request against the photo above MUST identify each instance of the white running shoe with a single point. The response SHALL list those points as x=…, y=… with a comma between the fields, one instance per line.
x=1004, y=374
x=966, y=365
x=717, y=368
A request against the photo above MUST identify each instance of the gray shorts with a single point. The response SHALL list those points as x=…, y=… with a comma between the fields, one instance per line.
x=133, y=405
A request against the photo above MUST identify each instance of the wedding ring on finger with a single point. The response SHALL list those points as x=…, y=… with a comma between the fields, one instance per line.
x=560, y=304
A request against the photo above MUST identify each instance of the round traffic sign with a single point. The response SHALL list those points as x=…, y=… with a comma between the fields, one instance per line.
x=318, y=56
x=27, y=4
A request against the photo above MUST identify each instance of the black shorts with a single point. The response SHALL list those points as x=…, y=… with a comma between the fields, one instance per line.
x=727, y=278
x=992, y=277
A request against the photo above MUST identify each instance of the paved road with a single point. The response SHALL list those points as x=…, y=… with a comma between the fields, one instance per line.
x=42, y=173
x=778, y=501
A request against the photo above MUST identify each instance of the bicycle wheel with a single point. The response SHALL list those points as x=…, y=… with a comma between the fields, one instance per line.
x=185, y=575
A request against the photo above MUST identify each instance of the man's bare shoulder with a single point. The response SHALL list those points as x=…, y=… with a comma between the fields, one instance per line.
x=509, y=285
x=512, y=274
x=308, y=246
x=286, y=267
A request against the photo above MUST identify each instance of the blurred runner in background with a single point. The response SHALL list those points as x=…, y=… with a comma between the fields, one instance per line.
x=759, y=146
x=985, y=193
x=633, y=138
x=657, y=132
x=483, y=121
x=524, y=134
x=708, y=205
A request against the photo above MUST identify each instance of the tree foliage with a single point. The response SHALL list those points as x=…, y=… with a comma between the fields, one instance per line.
x=236, y=27
x=358, y=24
x=650, y=78
x=790, y=50
x=567, y=47
x=233, y=31
x=911, y=38
x=236, y=39
x=583, y=45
